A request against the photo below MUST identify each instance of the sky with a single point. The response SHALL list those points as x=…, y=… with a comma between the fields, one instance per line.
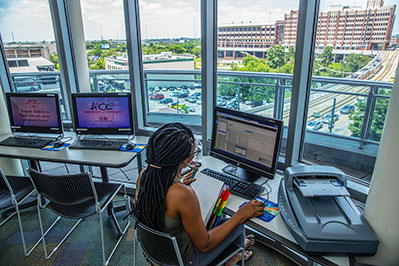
x=29, y=20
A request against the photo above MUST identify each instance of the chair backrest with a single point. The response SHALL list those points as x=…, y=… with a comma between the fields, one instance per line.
x=64, y=189
x=4, y=184
x=160, y=248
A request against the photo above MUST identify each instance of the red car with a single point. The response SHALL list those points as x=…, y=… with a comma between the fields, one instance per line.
x=156, y=96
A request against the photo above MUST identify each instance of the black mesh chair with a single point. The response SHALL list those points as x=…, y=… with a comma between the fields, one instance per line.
x=76, y=196
x=161, y=248
x=14, y=190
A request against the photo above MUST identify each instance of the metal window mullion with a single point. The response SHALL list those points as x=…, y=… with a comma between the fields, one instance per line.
x=368, y=115
x=133, y=40
x=304, y=53
x=208, y=67
x=68, y=82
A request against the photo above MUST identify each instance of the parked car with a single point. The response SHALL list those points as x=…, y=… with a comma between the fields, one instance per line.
x=182, y=95
x=256, y=103
x=316, y=115
x=166, y=100
x=172, y=88
x=314, y=125
x=221, y=102
x=157, y=89
x=192, y=100
x=150, y=89
x=327, y=118
x=176, y=105
x=156, y=96
x=199, y=102
x=232, y=105
x=26, y=84
x=347, y=109
x=174, y=93
x=190, y=109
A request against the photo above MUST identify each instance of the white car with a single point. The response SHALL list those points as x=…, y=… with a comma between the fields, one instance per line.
x=314, y=125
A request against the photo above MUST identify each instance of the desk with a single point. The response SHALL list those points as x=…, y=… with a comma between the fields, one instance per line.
x=100, y=158
x=277, y=234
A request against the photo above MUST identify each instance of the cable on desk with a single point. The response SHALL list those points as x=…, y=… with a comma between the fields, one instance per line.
x=268, y=190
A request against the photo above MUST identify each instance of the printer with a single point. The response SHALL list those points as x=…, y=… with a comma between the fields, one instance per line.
x=318, y=211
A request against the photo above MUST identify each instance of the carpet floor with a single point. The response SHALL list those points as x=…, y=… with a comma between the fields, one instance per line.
x=83, y=246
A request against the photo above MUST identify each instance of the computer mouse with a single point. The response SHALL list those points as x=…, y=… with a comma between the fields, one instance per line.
x=58, y=144
x=130, y=146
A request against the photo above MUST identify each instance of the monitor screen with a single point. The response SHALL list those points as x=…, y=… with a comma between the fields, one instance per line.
x=103, y=113
x=247, y=141
x=34, y=112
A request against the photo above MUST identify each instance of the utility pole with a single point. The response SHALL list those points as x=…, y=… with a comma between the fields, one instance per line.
x=332, y=121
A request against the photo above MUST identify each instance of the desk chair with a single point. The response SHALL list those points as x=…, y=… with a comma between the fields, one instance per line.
x=75, y=196
x=14, y=190
x=160, y=248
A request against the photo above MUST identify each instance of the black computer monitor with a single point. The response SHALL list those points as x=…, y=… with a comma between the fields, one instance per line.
x=249, y=143
x=102, y=113
x=34, y=112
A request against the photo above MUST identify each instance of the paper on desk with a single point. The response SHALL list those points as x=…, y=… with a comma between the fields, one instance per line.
x=208, y=190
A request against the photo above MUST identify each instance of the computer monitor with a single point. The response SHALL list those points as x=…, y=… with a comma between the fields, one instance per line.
x=34, y=112
x=102, y=113
x=249, y=143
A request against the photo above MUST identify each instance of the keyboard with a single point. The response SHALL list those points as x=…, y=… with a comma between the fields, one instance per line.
x=236, y=186
x=114, y=145
x=28, y=142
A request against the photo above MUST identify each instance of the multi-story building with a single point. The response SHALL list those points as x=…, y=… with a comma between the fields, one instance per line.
x=352, y=28
x=341, y=27
x=29, y=50
x=237, y=40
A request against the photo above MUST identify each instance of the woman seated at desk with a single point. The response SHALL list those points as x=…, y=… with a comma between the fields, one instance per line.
x=165, y=204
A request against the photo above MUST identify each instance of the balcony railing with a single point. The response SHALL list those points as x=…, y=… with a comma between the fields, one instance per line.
x=267, y=94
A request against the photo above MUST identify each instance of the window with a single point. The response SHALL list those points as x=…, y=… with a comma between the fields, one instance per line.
x=171, y=43
x=351, y=108
x=257, y=79
x=30, y=48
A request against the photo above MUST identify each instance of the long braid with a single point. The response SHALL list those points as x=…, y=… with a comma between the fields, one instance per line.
x=166, y=149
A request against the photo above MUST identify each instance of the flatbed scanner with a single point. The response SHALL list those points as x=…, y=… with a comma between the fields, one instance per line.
x=318, y=211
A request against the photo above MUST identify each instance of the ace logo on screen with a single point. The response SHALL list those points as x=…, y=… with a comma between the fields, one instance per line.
x=101, y=106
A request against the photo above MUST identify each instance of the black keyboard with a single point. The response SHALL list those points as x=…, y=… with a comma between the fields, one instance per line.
x=97, y=144
x=28, y=142
x=236, y=186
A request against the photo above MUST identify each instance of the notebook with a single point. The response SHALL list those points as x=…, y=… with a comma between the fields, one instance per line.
x=208, y=190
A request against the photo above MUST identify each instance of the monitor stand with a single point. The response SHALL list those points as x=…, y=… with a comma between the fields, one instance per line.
x=240, y=173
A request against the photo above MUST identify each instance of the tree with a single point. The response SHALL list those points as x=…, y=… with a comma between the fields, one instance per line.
x=275, y=56
x=326, y=56
x=290, y=56
x=54, y=60
x=377, y=124
x=197, y=51
x=354, y=62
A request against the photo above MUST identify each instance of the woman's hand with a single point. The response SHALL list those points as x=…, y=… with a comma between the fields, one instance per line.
x=187, y=180
x=251, y=209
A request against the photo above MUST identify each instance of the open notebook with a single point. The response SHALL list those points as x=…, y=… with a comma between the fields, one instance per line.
x=208, y=190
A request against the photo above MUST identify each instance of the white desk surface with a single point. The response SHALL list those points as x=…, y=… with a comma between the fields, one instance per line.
x=276, y=228
x=104, y=158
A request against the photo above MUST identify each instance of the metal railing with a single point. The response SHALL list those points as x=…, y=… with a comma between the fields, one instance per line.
x=278, y=104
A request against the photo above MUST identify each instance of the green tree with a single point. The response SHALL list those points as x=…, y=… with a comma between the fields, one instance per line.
x=354, y=62
x=275, y=56
x=290, y=56
x=197, y=51
x=326, y=56
x=377, y=124
x=99, y=64
x=55, y=61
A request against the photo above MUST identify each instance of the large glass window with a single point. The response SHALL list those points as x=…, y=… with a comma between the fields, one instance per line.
x=255, y=67
x=104, y=28
x=30, y=47
x=171, y=47
x=350, y=89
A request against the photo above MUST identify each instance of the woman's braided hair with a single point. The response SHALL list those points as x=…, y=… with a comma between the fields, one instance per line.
x=167, y=148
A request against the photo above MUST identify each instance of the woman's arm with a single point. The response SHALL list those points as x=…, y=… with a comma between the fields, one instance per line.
x=182, y=200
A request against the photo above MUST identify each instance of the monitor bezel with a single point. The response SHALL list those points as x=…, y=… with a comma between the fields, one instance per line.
x=101, y=130
x=237, y=161
x=34, y=129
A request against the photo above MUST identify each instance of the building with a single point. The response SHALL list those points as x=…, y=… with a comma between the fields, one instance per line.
x=349, y=28
x=238, y=40
x=35, y=64
x=341, y=27
x=30, y=50
x=164, y=60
